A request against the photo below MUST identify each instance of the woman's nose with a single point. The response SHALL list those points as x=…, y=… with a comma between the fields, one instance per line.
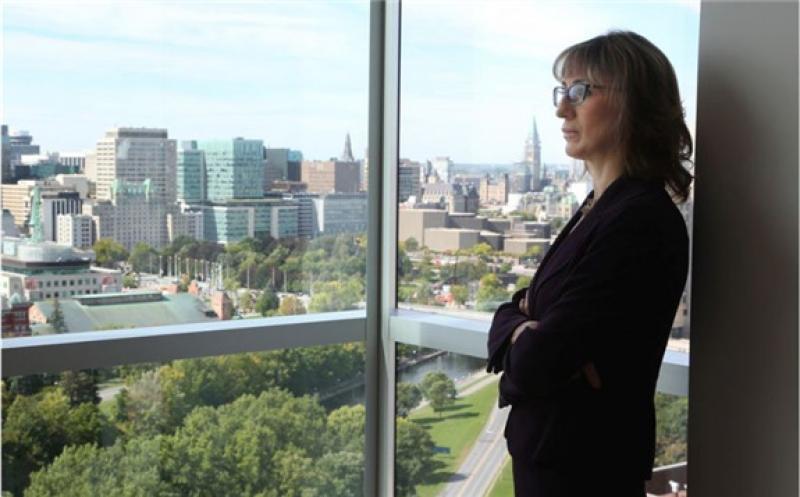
x=564, y=109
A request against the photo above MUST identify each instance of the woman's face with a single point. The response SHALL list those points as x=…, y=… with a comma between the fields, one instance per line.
x=589, y=127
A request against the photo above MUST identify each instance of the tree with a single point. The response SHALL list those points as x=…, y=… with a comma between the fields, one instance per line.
x=126, y=469
x=408, y=397
x=129, y=281
x=460, y=293
x=246, y=301
x=80, y=386
x=439, y=389
x=412, y=244
x=414, y=457
x=290, y=306
x=56, y=319
x=143, y=258
x=523, y=282
x=108, y=252
x=38, y=428
x=490, y=293
x=267, y=301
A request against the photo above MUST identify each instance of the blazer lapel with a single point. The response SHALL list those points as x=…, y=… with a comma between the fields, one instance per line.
x=620, y=188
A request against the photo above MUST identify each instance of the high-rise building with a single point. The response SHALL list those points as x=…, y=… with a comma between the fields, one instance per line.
x=17, y=197
x=408, y=180
x=234, y=220
x=443, y=167
x=134, y=155
x=341, y=213
x=132, y=215
x=190, y=173
x=55, y=204
x=234, y=169
x=76, y=230
x=276, y=166
x=293, y=166
x=330, y=176
x=74, y=160
x=5, y=155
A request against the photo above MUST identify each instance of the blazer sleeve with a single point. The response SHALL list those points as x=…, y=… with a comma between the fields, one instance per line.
x=601, y=295
x=507, y=317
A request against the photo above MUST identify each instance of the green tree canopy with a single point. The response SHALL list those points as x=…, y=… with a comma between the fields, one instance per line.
x=411, y=244
x=143, y=258
x=408, y=397
x=267, y=302
x=80, y=386
x=290, y=306
x=108, y=252
x=439, y=389
x=490, y=293
x=56, y=319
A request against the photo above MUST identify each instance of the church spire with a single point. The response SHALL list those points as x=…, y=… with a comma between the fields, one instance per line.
x=347, y=154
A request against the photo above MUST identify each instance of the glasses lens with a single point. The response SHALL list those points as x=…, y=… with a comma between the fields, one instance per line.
x=558, y=94
x=576, y=93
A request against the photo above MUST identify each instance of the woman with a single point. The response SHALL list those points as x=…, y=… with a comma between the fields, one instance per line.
x=580, y=348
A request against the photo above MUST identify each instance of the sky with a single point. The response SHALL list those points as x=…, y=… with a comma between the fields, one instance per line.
x=474, y=73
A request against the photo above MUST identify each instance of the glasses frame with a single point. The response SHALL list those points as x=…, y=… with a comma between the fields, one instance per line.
x=563, y=93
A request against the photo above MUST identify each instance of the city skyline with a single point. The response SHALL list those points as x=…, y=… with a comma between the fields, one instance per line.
x=297, y=77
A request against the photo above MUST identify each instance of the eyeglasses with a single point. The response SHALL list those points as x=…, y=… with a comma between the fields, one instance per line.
x=574, y=94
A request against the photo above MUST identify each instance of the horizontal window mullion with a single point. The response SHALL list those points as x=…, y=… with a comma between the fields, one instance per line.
x=54, y=353
x=468, y=337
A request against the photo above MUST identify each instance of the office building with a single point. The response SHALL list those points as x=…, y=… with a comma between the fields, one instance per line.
x=54, y=204
x=38, y=271
x=132, y=215
x=408, y=181
x=234, y=169
x=412, y=223
x=190, y=173
x=136, y=155
x=17, y=197
x=444, y=239
x=76, y=230
x=5, y=155
x=330, y=176
x=234, y=220
x=443, y=168
x=341, y=213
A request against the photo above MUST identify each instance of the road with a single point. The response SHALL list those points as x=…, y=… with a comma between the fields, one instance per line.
x=479, y=470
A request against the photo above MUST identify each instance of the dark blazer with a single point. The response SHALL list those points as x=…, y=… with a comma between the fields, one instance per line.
x=606, y=294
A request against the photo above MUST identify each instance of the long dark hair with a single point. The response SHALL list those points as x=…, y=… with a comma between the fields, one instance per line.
x=652, y=133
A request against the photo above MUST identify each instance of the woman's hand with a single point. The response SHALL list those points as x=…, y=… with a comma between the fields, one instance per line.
x=523, y=303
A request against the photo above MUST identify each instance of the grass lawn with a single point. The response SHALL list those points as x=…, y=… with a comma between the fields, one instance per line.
x=504, y=486
x=457, y=429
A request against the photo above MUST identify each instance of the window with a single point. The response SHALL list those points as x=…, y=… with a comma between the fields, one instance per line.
x=192, y=89
x=262, y=409
x=479, y=203
x=258, y=235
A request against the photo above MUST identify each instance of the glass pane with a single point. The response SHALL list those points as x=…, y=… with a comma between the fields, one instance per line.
x=285, y=422
x=217, y=169
x=448, y=403
x=485, y=184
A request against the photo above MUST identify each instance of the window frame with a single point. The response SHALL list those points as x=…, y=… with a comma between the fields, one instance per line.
x=381, y=326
